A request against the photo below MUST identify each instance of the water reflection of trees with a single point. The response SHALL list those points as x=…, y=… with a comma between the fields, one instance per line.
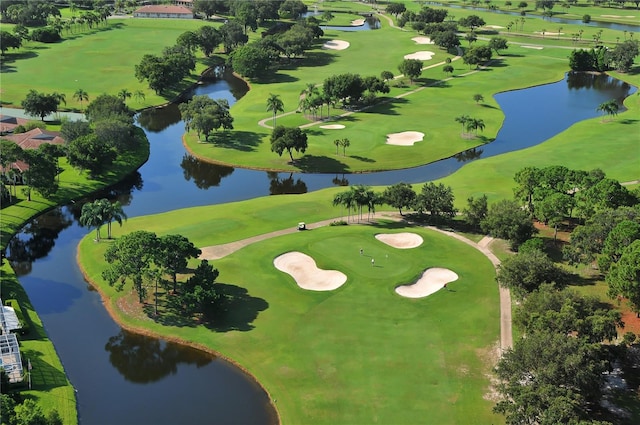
x=285, y=186
x=340, y=181
x=468, y=155
x=143, y=359
x=36, y=239
x=204, y=174
x=156, y=120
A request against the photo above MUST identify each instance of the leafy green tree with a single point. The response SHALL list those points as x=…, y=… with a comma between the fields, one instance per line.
x=476, y=211
x=395, y=9
x=624, y=276
x=568, y=313
x=91, y=154
x=42, y=172
x=623, y=55
x=505, y=219
x=471, y=37
x=274, y=104
x=251, y=61
x=292, y=9
x=107, y=106
x=208, y=38
x=411, y=68
x=525, y=272
x=41, y=104
x=527, y=181
x=448, y=69
x=446, y=39
x=550, y=378
x=188, y=39
x=232, y=35
x=478, y=98
x=344, y=87
x=399, y=195
x=124, y=94
x=204, y=115
x=553, y=209
x=71, y=130
x=199, y=293
x=9, y=41
x=386, y=75
x=471, y=21
x=210, y=8
x=130, y=257
x=10, y=152
x=437, y=199
x=621, y=236
x=174, y=251
x=30, y=413
x=288, y=139
x=498, y=43
x=476, y=55
x=115, y=132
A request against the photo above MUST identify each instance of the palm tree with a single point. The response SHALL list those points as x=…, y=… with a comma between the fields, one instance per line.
x=81, y=96
x=124, y=94
x=475, y=124
x=609, y=107
x=275, y=104
x=111, y=212
x=345, y=143
x=139, y=95
x=307, y=96
x=463, y=119
x=91, y=216
x=337, y=142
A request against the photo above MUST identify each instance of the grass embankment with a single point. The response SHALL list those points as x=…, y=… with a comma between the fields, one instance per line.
x=50, y=386
x=358, y=354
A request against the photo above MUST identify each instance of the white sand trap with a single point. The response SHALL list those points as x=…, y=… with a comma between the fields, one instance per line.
x=335, y=45
x=549, y=33
x=495, y=27
x=332, y=126
x=617, y=16
x=533, y=47
x=422, y=40
x=406, y=138
x=307, y=275
x=357, y=22
x=401, y=240
x=432, y=280
x=422, y=55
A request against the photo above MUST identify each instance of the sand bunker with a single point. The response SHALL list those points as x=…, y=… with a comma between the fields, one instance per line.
x=549, y=33
x=432, y=280
x=495, y=27
x=357, y=22
x=332, y=126
x=400, y=240
x=617, y=16
x=335, y=45
x=406, y=138
x=307, y=275
x=422, y=40
x=533, y=47
x=422, y=55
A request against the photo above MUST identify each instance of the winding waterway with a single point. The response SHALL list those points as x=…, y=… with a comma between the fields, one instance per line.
x=123, y=378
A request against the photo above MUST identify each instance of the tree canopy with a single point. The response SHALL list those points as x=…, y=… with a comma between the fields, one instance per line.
x=288, y=139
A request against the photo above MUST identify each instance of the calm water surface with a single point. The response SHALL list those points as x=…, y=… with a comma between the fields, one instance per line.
x=126, y=379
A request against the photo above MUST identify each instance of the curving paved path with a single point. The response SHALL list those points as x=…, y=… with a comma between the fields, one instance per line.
x=215, y=252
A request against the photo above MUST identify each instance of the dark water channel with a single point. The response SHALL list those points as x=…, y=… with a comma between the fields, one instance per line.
x=127, y=379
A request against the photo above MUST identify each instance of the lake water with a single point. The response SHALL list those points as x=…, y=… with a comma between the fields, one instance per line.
x=122, y=378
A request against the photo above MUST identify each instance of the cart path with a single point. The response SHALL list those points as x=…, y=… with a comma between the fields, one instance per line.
x=215, y=252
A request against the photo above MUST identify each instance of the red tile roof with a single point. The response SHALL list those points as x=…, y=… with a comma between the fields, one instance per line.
x=32, y=139
x=161, y=8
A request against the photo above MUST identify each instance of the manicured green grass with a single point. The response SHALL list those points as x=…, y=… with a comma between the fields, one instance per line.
x=359, y=354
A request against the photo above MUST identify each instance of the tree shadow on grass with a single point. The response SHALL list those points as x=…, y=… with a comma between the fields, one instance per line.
x=44, y=376
x=275, y=78
x=237, y=310
x=312, y=163
x=362, y=159
x=245, y=141
x=386, y=108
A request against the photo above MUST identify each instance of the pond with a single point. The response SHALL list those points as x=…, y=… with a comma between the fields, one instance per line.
x=122, y=378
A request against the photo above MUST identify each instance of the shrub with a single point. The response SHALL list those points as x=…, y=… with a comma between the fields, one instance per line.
x=45, y=35
x=586, y=19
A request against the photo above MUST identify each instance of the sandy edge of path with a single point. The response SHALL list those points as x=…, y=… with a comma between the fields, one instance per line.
x=431, y=281
x=306, y=273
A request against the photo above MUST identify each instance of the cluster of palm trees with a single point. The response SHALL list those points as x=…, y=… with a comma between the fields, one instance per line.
x=100, y=212
x=275, y=104
x=88, y=19
x=470, y=124
x=356, y=199
x=313, y=99
x=81, y=95
x=344, y=143
x=609, y=108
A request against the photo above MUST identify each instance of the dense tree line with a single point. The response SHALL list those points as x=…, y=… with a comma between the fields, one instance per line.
x=601, y=58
